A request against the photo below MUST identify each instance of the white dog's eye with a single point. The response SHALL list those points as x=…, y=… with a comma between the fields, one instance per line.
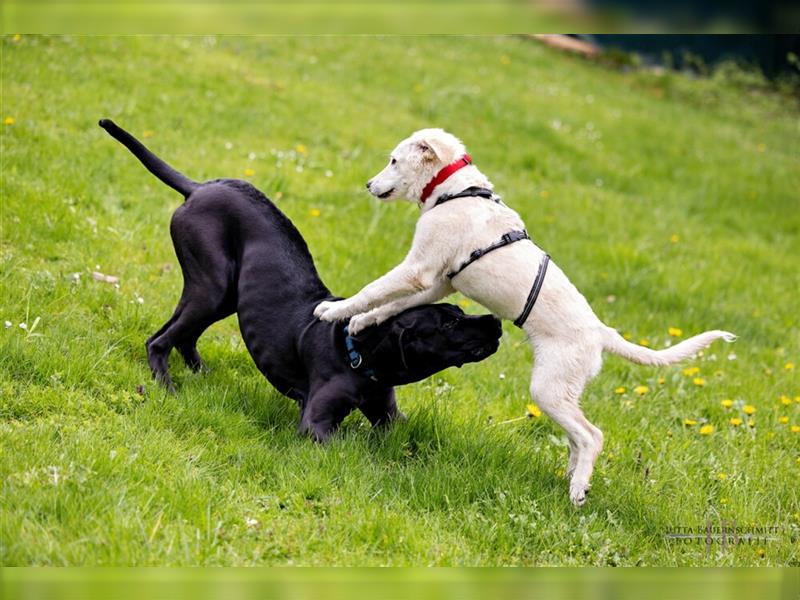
x=394, y=161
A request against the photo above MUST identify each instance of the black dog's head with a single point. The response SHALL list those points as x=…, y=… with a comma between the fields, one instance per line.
x=426, y=339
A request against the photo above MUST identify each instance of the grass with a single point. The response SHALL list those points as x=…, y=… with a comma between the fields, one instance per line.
x=670, y=202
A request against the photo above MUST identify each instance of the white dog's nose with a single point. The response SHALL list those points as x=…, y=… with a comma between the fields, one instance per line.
x=369, y=183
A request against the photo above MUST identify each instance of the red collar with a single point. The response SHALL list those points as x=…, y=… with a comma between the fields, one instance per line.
x=442, y=175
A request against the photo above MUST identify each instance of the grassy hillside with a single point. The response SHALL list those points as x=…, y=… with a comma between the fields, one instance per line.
x=670, y=202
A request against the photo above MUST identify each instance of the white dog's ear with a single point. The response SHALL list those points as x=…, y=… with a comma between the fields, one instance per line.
x=427, y=151
x=434, y=147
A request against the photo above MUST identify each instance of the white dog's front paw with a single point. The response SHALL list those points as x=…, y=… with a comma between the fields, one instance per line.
x=322, y=308
x=360, y=322
x=333, y=311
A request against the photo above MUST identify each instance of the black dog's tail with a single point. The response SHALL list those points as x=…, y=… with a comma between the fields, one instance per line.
x=153, y=164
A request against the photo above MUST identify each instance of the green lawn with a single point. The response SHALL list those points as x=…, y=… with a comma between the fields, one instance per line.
x=669, y=201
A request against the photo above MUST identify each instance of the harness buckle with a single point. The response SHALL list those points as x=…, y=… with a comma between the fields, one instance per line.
x=356, y=362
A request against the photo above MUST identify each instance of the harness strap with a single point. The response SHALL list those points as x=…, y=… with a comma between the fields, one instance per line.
x=508, y=238
x=356, y=360
x=534, y=293
x=470, y=192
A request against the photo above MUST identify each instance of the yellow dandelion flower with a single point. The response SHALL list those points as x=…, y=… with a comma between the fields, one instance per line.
x=749, y=409
x=641, y=389
x=147, y=133
x=735, y=421
x=506, y=60
x=761, y=552
x=8, y=121
x=723, y=501
x=751, y=423
x=301, y=149
x=544, y=194
x=533, y=411
x=314, y=212
x=674, y=238
x=669, y=434
x=464, y=303
x=691, y=371
x=17, y=37
x=644, y=342
x=727, y=403
x=675, y=332
x=797, y=399
x=706, y=430
x=795, y=428
x=620, y=390
x=785, y=400
x=661, y=381
x=249, y=172
x=783, y=419
x=627, y=336
x=788, y=366
x=689, y=422
x=699, y=381
x=722, y=476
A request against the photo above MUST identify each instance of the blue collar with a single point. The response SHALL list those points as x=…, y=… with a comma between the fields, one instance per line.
x=356, y=360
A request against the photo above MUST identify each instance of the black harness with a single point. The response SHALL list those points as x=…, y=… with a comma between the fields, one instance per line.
x=508, y=238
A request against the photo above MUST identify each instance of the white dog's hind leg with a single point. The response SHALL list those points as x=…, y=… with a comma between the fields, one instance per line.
x=557, y=384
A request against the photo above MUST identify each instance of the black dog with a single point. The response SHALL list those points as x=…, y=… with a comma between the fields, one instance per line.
x=239, y=253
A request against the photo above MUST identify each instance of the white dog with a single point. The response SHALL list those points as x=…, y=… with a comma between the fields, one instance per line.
x=568, y=339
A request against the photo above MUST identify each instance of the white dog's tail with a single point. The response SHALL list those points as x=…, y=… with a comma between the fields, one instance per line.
x=614, y=342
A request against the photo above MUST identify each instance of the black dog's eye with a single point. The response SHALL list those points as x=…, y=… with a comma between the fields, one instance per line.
x=449, y=325
x=394, y=161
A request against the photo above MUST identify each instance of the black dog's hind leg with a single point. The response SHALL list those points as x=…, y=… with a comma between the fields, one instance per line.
x=209, y=292
x=194, y=314
x=157, y=354
x=188, y=350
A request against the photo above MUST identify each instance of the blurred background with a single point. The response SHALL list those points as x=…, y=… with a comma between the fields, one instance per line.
x=384, y=16
x=388, y=584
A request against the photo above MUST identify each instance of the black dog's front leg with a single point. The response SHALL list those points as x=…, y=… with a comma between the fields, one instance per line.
x=381, y=408
x=325, y=410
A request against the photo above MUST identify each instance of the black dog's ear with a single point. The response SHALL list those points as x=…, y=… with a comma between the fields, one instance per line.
x=399, y=326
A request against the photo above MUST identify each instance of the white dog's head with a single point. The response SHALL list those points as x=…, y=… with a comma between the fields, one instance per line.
x=413, y=163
